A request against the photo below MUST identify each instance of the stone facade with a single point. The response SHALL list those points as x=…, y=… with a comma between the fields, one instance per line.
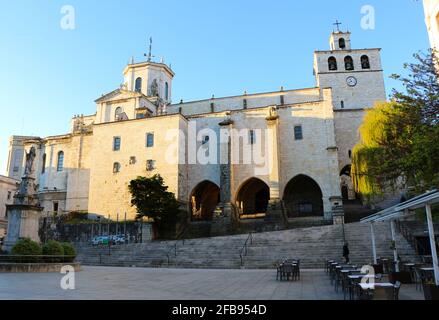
x=432, y=21
x=8, y=187
x=267, y=157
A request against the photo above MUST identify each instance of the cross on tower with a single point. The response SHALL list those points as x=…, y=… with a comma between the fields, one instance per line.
x=337, y=24
x=149, y=55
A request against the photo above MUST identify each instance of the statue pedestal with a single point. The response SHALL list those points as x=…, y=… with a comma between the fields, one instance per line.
x=24, y=215
x=23, y=222
x=222, y=220
x=275, y=213
x=337, y=211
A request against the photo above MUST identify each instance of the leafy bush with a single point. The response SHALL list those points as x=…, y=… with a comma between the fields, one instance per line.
x=26, y=247
x=69, y=251
x=53, y=248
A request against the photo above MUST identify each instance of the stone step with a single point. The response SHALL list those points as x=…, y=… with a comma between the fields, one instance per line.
x=312, y=245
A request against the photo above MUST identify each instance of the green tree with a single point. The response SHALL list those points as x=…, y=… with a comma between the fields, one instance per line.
x=399, y=143
x=153, y=200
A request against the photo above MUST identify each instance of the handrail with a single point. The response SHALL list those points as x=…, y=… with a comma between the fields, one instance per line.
x=181, y=238
x=244, y=249
x=168, y=253
x=408, y=235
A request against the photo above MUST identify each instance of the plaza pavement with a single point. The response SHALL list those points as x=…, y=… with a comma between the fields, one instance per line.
x=175, y=284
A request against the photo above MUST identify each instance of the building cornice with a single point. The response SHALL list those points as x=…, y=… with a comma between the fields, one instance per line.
x=149, y=63
x=244, y=96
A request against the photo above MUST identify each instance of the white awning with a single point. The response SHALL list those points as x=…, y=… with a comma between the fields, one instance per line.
x=404, y=208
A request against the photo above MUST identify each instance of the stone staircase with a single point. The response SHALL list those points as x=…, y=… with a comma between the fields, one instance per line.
x=311, y=245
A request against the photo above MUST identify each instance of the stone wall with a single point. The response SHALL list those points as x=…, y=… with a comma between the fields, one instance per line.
x=109, y=192
x=56, y=229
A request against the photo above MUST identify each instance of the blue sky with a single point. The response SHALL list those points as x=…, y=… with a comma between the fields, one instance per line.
x=215, y=47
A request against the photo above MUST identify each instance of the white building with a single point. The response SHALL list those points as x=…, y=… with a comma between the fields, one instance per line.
x=309, y=134
x=431, y=8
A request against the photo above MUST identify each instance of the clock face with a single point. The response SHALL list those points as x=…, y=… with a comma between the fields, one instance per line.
x=351, y=81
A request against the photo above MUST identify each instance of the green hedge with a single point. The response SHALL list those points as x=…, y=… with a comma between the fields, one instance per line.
x=27, y=247
x=69, y=251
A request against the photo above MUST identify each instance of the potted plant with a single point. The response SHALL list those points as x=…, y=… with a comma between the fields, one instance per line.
x=431, y=290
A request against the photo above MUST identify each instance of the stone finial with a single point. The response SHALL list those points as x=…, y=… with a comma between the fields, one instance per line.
x=272, y=114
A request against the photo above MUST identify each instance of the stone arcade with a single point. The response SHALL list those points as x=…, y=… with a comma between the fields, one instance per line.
x=312, y=133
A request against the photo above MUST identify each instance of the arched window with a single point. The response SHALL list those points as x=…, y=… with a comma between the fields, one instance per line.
x=60, y=162
x=166, y=91
x=365, y=64
x=116, y=167
x=349, y=63
x=332, y=63
x=138, y=85
x=117, y=113
x=342, y=43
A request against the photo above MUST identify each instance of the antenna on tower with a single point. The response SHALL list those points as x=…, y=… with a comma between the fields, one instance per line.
x=149, y=55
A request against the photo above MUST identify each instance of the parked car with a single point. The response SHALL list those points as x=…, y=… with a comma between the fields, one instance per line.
x=118, y=239
x=100, y=240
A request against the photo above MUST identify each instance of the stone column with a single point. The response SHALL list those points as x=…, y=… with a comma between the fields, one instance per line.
x=274, y=210
x=337, y=210
x=223, y=216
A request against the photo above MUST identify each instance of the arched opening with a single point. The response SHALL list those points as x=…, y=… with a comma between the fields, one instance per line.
x=138, y=87
x=349, y=63
x=203, y=201
x=303, y=197
x=342, y=43
x=346, y=184
x=332, y=63
x=365, y=64
x=252, y=199
x=118, y=113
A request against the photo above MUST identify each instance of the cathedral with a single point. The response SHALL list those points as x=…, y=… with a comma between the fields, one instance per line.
x=254, y=158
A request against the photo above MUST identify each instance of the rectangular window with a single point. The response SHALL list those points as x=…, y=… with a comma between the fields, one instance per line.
x=17, y=160
x=150, y=165
x=55, y=206
x=252, y=137
x=150, y=140
x=116, y=143
x=43, y=166
x=9, y=195
x=298, y=134
x=60, y=163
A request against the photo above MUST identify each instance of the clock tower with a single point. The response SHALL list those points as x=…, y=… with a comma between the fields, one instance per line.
x=357, y=82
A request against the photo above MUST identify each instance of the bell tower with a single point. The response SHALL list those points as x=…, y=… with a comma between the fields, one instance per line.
x=357, y=82
x=340, y=41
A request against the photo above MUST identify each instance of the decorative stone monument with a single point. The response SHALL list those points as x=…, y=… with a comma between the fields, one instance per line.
x=25, y=212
